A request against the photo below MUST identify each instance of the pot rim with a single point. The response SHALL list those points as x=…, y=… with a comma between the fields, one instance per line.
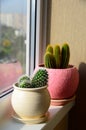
x=28, y=89
x=70, y=66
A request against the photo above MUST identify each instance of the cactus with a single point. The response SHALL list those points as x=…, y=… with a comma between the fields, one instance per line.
x=65, y=55
x=49, y=49
x=54, y=58
x=22, y=78
x=40, y=78
x=24, y=82
x=56, y=53
x=49, y=60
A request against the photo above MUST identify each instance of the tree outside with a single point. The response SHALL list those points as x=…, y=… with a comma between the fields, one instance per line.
x=12, y=45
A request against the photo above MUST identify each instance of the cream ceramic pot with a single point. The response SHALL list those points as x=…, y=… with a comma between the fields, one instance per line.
x=30, y=102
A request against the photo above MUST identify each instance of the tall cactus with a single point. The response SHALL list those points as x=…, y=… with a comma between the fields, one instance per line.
x=65, y=55
x=49, y=60
x=49, y=49
x=56, y=53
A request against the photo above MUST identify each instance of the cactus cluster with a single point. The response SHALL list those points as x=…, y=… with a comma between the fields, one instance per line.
x=39, y=79
x=57, y=57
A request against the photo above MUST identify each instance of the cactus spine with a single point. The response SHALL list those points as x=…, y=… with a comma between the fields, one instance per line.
x=54, y=58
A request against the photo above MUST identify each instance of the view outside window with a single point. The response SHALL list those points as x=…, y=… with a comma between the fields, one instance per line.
x=12, y=41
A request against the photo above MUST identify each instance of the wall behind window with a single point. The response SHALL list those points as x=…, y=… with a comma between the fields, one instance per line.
x=68, y=24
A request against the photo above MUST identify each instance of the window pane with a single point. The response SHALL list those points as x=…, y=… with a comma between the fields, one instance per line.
x=12, y=41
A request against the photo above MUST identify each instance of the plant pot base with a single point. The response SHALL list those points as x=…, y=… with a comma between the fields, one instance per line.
x=61, y=102
x=35, y=120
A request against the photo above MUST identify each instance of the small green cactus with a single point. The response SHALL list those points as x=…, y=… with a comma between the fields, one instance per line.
x=57, y=58
x=24, y=77
x=24, y=82
x=40, y=78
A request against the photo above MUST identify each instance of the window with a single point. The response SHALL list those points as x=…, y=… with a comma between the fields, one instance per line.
x=13, y=17
x=22, y=38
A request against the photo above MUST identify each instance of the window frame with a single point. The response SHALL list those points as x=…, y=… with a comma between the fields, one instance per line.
x=36, y=33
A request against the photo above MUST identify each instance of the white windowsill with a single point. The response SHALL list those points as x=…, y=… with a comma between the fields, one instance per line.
x=56, y=114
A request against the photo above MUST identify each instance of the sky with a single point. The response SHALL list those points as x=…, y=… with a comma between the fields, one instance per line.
x=13, y=6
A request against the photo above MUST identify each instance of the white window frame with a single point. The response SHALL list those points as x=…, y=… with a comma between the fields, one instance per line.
x=36, y=33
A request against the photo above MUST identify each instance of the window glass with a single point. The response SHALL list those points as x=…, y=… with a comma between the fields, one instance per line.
x=13, y=19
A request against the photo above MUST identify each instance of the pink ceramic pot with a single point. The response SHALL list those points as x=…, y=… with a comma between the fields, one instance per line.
x=62, y=83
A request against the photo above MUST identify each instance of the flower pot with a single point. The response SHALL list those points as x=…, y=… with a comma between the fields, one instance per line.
x=31, y=104
x=62, y=83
